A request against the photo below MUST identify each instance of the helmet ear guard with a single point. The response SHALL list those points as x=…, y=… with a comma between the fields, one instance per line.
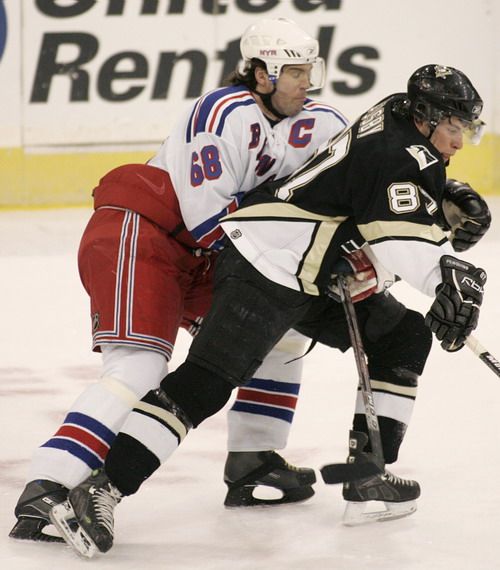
x=279, y=42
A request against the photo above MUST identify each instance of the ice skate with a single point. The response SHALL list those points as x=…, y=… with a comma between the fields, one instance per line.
x=395, y=495
x=246, y=471
x=32, y=510
x=92, y=504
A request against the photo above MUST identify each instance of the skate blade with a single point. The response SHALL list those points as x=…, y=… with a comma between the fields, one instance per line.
x=77, y=538
x=265, y=496
x=30, y=528
x=358, y=513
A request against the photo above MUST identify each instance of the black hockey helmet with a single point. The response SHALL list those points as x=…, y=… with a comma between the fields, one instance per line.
x=439, y=91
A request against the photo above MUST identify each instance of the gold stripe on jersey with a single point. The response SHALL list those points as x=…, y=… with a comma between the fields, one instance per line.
x=311, y=262
x=323, y=230
x=383, y=230
x=279, y=210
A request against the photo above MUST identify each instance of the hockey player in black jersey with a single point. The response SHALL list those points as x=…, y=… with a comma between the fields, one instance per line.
x=379, y=186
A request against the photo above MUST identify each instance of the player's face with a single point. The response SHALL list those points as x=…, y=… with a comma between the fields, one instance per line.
x=291, y=89
x=448, y=137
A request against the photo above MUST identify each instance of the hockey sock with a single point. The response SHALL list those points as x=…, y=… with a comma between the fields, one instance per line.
x=160, y=421
x=129, y=463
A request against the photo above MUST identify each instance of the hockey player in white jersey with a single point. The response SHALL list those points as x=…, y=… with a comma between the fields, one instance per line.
x=146, y=259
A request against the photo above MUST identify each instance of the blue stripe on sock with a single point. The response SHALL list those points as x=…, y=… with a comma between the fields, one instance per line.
x=273, y=386
x=280, y=414
x=76, y=450
x=92, y=425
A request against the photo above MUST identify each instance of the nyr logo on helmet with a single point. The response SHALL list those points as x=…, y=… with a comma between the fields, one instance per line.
x=268, y=52
x=3, y=28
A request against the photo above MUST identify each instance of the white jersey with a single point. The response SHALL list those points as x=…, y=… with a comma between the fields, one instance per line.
x=224, y=146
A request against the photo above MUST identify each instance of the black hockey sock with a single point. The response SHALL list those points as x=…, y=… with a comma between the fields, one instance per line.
x=129, y=463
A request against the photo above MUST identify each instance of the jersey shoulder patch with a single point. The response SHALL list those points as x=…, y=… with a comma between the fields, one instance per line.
x=211, y=111
x=422, y=155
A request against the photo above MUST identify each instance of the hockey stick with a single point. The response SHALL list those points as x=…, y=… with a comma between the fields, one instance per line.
x=479, y=350
x=334, y=472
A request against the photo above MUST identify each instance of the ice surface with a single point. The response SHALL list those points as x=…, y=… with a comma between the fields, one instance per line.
x=178, y=521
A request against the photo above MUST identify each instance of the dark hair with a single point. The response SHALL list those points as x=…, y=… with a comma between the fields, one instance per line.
x=247, y=75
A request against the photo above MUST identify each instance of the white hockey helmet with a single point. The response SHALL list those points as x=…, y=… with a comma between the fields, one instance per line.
x=278, y=42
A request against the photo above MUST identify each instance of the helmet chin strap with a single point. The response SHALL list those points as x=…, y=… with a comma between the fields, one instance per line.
x=268, y=104
x=432, y=128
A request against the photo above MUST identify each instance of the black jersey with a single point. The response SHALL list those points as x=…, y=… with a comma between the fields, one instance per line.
x=381, y=177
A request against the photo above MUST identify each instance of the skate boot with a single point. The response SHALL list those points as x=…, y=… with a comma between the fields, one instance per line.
x=32, y=510
x=92, y=504
x=246, y=471
x=397, y=495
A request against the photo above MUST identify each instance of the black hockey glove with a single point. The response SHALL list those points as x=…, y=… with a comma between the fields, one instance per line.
x=455, y=311
x=465, y=213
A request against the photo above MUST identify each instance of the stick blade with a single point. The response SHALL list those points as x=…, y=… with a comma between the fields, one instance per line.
x=335, y=473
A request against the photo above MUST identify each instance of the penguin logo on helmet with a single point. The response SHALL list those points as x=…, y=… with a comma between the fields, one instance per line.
x=442, y=71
